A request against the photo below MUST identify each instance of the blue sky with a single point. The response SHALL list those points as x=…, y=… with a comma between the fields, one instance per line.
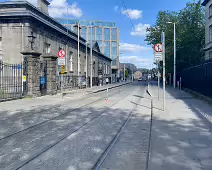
x=142, y=13
x=133, y=48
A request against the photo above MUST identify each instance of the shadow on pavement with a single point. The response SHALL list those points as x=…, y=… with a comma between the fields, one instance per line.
x=182, y=139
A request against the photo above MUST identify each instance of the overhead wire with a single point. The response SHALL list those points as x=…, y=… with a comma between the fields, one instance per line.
x=133, y=26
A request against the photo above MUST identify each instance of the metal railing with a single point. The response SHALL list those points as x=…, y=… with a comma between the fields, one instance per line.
x=69, y=82
x=198, y=78
x=11, y=86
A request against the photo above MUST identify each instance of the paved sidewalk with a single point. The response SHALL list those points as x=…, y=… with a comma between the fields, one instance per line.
x=50, y=100
x=181, y=136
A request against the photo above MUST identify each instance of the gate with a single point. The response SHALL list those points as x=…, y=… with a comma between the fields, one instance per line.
x=10, y=81
x=43, y=77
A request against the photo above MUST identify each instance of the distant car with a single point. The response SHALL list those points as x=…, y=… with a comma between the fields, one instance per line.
x=140, y=79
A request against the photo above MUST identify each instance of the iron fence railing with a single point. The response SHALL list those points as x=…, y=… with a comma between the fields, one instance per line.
x=11, y=86
x=70, y=82
x=198, y=78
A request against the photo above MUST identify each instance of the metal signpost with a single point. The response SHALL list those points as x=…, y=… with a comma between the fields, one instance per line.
x=164, y=71
x=158, y=63
x=61, y=62
x=158, y=58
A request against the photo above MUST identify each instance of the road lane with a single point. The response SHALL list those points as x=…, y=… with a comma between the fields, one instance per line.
x=22, y=146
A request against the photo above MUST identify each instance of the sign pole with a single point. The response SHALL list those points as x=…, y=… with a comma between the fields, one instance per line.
x=164, y=71
x=91, y=60
x=61, y=85
x=107, y=93
x=158, y=80
x=86, y=63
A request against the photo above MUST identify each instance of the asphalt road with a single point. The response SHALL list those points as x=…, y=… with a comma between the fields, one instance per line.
x=75, y=134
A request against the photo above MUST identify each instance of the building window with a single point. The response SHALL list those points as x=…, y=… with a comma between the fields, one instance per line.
x=47, y=48
x=114, y=49
x=210, y=33
x=210, y=10
x=75, y=29
x=114, y=62
x=89, y=34
x=107, y=48
x=210, y=55
x=114, y=34
x=107, y=34
x=98, y=34
x=83, y=32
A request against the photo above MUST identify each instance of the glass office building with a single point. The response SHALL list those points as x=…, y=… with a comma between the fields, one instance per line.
x=105, y=33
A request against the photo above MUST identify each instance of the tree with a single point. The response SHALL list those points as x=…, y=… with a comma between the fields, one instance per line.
x=126, y=73
x=189, y=35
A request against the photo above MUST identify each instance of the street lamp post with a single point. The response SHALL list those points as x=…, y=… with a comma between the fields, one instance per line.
x=174, y=76
x=91, y=58
x=78, y=47
x=86, y=63
x=124, y=72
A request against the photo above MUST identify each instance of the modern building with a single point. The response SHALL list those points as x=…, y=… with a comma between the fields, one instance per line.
x=208, y=29
x=23, y=26
x=106, y=34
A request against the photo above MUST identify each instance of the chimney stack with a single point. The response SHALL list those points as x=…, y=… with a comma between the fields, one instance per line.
x=43, y=6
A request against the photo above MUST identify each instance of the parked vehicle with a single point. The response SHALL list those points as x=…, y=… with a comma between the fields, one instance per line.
x=140, y=79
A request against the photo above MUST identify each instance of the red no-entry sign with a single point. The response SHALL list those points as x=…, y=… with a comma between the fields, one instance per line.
x=158, y=47
x=61, y=54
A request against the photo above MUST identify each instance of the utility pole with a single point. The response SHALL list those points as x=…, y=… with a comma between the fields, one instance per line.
x=86, y=63
x=164, y=71
x=174, y=79
x=124, y=72
x=158, y=80
x=78, y=62
x=91, y=56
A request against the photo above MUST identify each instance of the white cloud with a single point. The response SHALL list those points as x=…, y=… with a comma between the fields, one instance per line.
x=116, y=8
x=59, y=8
x=125, y=47
x=132, y=13
x=140, y=62
x=140, y=30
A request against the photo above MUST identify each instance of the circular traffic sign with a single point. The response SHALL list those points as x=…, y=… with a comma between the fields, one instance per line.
x=61, y=53
x=158, y=47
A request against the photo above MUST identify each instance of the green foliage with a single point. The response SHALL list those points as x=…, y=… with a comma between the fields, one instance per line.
x=126, y=73
x=190, y=35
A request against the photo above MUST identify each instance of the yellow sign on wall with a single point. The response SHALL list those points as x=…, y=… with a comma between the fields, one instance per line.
x=24, y=78
x=63, y=70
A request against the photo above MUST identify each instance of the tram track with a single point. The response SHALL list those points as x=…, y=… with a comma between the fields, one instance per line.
x=22, y=164
x=110, y=146
x=69, y=111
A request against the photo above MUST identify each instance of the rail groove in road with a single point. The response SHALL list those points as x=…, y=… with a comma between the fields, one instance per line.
x=108, y=149
x=65, y=136
x=66, y=112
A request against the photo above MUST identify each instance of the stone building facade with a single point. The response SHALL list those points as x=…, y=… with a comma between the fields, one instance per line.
x=208, y=29
x=22, y=25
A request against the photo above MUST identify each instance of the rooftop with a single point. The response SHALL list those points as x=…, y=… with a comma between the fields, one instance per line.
x=86, y=22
